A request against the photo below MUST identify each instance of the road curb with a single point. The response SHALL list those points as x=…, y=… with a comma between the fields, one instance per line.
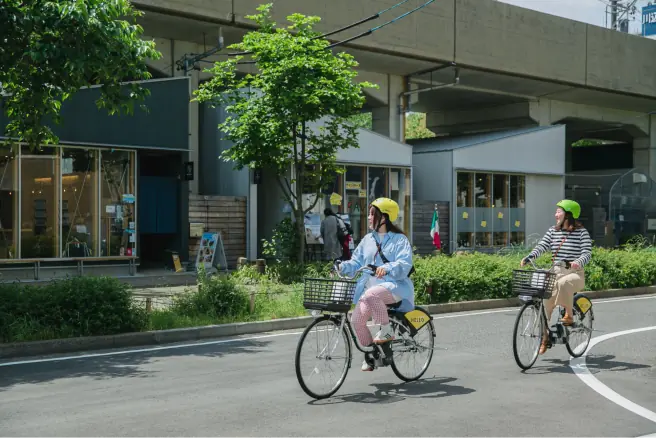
x=71, y=345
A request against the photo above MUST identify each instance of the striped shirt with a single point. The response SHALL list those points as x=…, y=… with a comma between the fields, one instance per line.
x=577, y=247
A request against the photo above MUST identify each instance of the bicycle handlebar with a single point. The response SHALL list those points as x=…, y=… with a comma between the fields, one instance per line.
x=372, y=268
x=566, y=263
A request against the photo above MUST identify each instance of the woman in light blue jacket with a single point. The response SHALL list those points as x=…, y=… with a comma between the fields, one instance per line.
x=391, y=282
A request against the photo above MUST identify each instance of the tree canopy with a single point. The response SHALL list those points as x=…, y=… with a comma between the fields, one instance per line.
x=292, y=117
x=51, y=49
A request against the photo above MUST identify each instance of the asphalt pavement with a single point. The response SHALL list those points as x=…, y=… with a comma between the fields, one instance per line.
x=248, y=387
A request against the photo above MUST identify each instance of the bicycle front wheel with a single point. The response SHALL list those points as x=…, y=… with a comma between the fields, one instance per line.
x=527, y=335
x=323, y=357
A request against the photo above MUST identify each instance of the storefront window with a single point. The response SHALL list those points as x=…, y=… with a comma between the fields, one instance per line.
x=483, y=196
x=490, y=210
x=333, y=196
x=8, y=203
x=400, y=189
x=79, y=202
x=356, y=200
x=117, y=209
x=517, y=212
x=378, y=183
x=40, y=176
x=501, y=214
x=465, y=218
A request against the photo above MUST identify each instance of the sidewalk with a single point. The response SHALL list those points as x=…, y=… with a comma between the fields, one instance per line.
x=160, y=297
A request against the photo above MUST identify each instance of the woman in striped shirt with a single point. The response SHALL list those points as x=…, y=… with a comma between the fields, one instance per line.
x=570, y=244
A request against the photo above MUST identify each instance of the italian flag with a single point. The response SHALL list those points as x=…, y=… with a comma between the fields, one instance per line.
x=435, y=230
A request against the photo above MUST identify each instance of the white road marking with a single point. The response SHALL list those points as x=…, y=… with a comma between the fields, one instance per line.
x=274, y=335
x=582, y=372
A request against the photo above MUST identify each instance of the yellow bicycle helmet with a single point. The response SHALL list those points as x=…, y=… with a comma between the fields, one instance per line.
x=388, y=207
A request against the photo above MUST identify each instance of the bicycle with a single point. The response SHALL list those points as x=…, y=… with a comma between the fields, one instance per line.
x=533, y=287
x=330, y=301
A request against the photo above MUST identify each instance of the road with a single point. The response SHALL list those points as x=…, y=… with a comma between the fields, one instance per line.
x=248, y=387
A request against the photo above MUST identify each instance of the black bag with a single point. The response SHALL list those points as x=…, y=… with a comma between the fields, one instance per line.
x=385, y=260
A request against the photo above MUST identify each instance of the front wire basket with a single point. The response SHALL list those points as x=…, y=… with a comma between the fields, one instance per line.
x=333, y=295
x=535, y=283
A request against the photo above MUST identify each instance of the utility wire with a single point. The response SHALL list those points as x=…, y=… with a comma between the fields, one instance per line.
x=363, y=34
x=342, y=29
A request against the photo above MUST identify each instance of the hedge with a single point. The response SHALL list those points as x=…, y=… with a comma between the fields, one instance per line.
x=476, y=276
x=78, y=306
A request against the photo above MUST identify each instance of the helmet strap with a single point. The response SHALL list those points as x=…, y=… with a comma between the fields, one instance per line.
x=380, y=222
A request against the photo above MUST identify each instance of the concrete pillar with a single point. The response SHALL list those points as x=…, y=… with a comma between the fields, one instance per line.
x=540, y=111
x=251, y=250
x=194, y=142
x=179, y=49
x=644, y=151
x=387, y=120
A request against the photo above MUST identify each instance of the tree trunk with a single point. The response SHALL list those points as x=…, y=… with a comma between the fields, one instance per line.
x=300, y=232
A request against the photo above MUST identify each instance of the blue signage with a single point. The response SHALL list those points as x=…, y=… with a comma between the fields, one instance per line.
x=649, y=20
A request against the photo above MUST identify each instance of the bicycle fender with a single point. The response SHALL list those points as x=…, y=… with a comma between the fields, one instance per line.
x=582, y=303
x=417, y=318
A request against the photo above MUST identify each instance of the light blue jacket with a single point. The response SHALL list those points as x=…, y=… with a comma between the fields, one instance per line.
x=398, y=251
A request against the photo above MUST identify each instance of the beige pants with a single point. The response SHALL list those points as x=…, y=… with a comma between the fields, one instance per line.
x=568, y=282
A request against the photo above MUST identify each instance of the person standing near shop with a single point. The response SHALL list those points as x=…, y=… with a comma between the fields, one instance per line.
x=332, y=247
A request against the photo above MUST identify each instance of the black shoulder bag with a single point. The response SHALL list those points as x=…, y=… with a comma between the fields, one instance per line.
x=385, y=260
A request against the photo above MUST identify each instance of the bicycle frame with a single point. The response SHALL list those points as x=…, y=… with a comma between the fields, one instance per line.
x=345, y=321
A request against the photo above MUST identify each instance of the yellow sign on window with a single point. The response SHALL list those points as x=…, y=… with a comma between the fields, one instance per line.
x=516, y=224
x=335, y=199
x=484, y=224
x=465, y=215
x=500, y=215
x=353, y=185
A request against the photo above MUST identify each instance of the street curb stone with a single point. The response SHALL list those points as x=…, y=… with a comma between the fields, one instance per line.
x=58, y=346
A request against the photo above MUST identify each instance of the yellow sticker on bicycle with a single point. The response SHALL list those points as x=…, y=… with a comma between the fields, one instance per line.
x=417, y=318
x=584, y=304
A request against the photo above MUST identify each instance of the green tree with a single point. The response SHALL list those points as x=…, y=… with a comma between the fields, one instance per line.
x=300, y=83
x=362, y=120
x=416, y=126
x=51, y=49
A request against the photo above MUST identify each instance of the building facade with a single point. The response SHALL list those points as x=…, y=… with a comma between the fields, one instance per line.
x=113, y=192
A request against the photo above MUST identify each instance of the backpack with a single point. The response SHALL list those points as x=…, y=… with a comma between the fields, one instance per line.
x=343, y=230
x=385, y=260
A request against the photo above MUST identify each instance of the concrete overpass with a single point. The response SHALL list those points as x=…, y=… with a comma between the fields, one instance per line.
x=514, y=66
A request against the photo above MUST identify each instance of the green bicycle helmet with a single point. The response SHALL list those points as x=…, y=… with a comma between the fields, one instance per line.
x=571, y=207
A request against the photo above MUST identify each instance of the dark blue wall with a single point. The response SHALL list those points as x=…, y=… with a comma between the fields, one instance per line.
x=164, y=126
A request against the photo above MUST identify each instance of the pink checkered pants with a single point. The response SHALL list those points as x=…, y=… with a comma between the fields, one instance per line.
x=372, y=303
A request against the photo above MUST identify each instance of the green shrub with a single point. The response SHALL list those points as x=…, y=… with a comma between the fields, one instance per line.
x=78, y=306
x=476, y=276
x=284, y=243
x=290, y=273
x=217, y=296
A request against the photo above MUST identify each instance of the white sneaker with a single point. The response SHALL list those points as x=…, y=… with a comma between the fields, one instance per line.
x=366, y=366
x=385, y=334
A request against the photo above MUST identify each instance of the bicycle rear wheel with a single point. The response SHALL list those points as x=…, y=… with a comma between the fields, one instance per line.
x=412, y=354
x=579, y=336
x=323, y=357
x=528, y=325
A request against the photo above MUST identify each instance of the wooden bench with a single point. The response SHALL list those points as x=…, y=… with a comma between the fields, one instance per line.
x=78, y=260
